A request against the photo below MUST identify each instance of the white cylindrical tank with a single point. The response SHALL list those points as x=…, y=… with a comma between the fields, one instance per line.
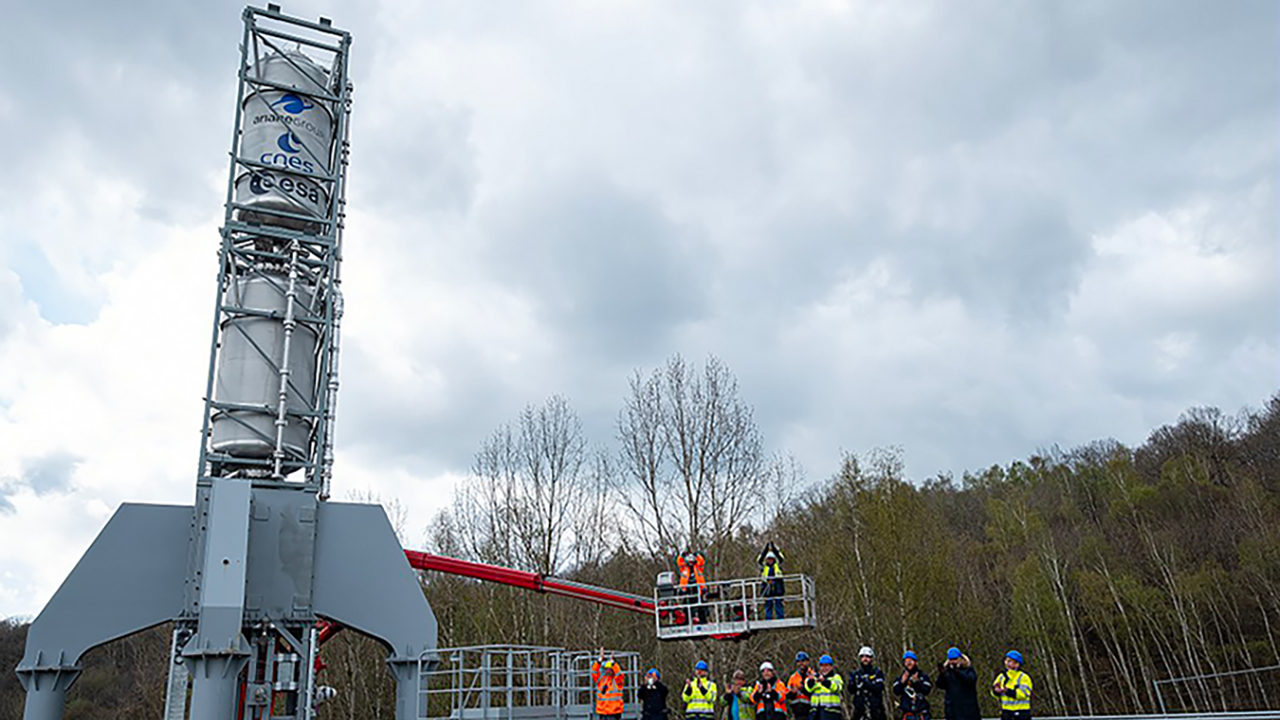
x=248, y=371
x=290, y=130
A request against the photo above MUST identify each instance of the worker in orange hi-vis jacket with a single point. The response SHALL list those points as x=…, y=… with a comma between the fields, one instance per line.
x=691, y=564
x=797, y=697
x=606, y=675
x=693, y=581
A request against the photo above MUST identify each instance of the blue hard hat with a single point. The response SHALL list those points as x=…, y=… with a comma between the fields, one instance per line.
x=826, y=660
x=1015, y=656
x=802, y=655
x=654, y=672
x=910, y=654
x=953, y=653
x=701, y=665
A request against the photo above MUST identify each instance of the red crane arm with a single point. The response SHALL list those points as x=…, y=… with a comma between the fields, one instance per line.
x=530, y=581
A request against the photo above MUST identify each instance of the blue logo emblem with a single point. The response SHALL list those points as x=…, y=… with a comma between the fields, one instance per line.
x=289, y=142
x=255, y=185
x=292, y=104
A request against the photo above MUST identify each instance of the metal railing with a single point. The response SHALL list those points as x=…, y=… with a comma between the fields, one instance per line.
x=517, y=682
x=733, y=607
x=1241, y=715
x=1155, y=684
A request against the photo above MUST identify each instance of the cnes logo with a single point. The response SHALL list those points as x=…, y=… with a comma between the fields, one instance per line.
x=288, y=157
x=289, y=142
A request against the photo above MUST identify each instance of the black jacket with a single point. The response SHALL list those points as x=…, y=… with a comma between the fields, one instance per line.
x=867, y=685
x=912, y=695
x=654, y=701
x=961, y=685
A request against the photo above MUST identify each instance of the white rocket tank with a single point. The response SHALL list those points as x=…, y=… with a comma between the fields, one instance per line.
x=289, y=129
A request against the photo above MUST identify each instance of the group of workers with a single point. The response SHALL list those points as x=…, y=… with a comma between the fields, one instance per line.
x=692, y=565
x=821, y=693
x=811, y=693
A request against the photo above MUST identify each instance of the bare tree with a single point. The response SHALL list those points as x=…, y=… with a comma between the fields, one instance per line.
x=693, y=465
x=594, y=531
x=535, y=494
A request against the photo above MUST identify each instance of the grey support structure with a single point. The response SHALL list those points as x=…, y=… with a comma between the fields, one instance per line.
x=247, y=572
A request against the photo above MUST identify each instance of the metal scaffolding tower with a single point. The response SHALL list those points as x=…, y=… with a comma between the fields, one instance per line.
x=247, y=573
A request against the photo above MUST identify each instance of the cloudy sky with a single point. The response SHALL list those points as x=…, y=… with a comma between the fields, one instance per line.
x=969, y=229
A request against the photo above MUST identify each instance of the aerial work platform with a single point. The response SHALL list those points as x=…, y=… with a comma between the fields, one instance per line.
x=517, y=682
x=732, y=609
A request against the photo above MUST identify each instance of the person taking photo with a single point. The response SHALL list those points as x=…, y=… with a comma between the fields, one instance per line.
x=653, y=696
x=959, y=680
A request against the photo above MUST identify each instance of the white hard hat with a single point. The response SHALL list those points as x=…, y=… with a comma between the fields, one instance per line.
x=866, y=651
x=766, y=665
x=325, y=692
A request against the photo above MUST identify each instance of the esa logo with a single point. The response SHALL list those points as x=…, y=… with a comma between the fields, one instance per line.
x=264, y=183
x=292, y=104
x=290, y=147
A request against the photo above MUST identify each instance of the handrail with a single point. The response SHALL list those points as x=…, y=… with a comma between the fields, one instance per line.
x=733, y=608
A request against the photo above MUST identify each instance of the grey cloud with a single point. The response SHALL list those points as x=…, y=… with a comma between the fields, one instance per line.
x=59, y=301
x=986, y=143
x=1021, y=261
x=49, y=473
x=42, y=475
x=131, y=89
x=417, y=429
x=990, y=143
x=414, y=160
x=11, y=305
x=607, y=268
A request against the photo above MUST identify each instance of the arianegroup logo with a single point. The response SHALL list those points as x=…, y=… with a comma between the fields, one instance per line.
x=293, y=111
x=292, y=104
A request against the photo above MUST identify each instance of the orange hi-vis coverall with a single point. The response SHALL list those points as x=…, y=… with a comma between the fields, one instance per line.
x=608, y=682
x=686, y=568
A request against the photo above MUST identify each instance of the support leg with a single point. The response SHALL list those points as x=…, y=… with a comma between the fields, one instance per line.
x=215, y=686
x=47, y=691
x=406, y=672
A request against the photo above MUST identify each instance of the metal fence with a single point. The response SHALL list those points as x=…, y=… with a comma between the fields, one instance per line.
x=517, y=682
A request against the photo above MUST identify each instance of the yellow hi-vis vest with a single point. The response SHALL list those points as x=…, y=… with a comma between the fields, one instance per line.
x=700, y=697
x=1020, y=683
x=825, y=693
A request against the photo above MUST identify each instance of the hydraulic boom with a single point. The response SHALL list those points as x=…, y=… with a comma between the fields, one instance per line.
x=531, y=581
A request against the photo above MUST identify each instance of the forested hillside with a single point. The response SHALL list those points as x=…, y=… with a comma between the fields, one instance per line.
x=1108, y=566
